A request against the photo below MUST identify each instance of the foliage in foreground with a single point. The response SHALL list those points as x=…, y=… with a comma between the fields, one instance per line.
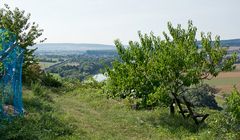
x=233, y=105
x=49, y=80
x=18, y=22
x=153, y=69
x=41, y=121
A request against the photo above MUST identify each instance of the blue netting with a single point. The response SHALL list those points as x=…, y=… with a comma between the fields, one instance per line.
x=11, y=59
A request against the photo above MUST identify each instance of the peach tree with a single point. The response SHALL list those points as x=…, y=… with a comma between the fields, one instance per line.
x=154, y=70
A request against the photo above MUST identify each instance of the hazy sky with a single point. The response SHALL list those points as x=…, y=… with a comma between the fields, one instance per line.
x=102, y=21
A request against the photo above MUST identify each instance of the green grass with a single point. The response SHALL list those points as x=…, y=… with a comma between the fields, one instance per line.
x=100, y=118
x=85, y=113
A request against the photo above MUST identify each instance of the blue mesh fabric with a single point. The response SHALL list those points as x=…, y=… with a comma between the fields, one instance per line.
x=11, y=60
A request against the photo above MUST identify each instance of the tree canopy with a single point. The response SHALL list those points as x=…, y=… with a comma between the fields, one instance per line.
x=154, y=69
x=27, y=33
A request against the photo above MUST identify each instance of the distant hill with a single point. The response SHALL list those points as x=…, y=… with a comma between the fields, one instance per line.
x=85, y=46
x=231, y=42
x=228, y=43
x=72, y=47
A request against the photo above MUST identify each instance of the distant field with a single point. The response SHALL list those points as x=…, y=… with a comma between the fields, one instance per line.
x=44, y=65
x=237, y=67
x=226, y=81
x=72, y=64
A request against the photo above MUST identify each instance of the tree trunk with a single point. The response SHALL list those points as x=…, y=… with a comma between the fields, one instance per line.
x=171, y=107
x=178, y=104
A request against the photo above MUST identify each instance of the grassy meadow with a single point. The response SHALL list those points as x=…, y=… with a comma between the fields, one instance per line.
x=77, y=111
x=83, y=112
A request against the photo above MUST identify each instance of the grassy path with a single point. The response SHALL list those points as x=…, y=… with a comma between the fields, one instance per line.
x=85, y=113
x=97, y=117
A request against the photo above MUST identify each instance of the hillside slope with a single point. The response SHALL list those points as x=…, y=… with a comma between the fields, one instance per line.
x=85, y=113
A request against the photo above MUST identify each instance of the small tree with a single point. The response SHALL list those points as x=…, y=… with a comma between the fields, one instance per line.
x=153, y=68
x=26, y=33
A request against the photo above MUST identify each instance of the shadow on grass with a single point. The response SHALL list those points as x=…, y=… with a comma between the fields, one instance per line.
x=37, y=104
x=174, y=123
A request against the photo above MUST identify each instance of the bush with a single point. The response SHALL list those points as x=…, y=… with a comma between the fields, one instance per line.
x=91, y=82
x=222, y=126
x=203, y=96
x=233, y=104
x=32, y=74
x=50, y=81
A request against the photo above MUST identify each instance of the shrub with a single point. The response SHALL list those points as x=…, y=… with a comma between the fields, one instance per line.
x=49, y=80
x=203, y=96
x=233, y=104
x=32, y=74
x=91, y=82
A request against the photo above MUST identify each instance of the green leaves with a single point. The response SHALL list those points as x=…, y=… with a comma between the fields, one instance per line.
x=174, y=64
x=233, y=104
x=27, y=33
